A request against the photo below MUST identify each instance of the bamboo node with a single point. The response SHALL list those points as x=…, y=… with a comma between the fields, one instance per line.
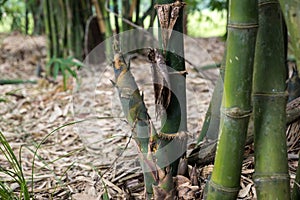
x=260, y=4
x=259, y=178
x=170, y=136
x=270, y=94
x=223, y=189
x=236, y=112
x=242, y=25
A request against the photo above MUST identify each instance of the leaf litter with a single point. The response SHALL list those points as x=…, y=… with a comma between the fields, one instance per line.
x=95, y=157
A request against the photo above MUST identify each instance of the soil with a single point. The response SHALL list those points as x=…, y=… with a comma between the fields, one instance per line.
x=68, y=158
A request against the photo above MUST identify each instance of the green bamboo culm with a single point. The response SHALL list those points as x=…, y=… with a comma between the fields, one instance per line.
x=269, y=104
x=176, y=116
x=48, y=30
x=291, y=11
x=64, y=22
x=210, y=128
x=236, y=103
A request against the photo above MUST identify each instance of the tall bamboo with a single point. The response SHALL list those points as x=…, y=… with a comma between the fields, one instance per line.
x=269, y=103
x=176, y=116
x=46, y=10
x=126, y=14
x=36, y=9
x=65, y=23
x=116, y=10
x=210, y=128
x=236, y=103
x=291, y=11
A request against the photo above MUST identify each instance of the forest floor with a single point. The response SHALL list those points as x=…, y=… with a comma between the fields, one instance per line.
x=70, y=157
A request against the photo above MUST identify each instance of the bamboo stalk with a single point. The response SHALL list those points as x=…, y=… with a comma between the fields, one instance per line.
x=210, y=128
x=269, y=103
x=60, y=5
x=137, y=12
x=106, y=20
x=172, y=140
x=108, y=29
x=136, y=114
x=77, y=30
x=176, y=117
x=291, y=11
x=69, y=16
x=125, y=13
x=26, y=16
x=54, y=31
x=46, y=10
x=132, y=8
x=204, y=153
x=236, y=103
x=100, y=17
x=116, y=10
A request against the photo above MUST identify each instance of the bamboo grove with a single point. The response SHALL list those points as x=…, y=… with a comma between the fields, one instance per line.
x=249, y=103
x=253, y=93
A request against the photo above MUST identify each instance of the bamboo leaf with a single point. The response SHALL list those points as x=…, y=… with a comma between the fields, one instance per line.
x=65, y=76
x=72, y=72
x=56, y=67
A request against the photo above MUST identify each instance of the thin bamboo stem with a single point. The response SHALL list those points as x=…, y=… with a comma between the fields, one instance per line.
x=210, y=128
x=46, y=10
x=291, y=11
x=100, y=17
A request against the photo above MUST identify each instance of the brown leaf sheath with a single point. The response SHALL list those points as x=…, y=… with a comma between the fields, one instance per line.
x=161, y=81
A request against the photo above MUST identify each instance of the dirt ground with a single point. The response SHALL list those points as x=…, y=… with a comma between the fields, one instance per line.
x=71, y=157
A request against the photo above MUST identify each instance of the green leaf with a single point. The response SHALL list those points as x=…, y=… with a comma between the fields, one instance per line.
x=65, y=76
x=105, y=196
x=56, y=67
x=72, y=72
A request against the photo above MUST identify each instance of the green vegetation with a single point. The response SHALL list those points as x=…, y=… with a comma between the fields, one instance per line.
x=15, y=173
x=207, y=23
x=252, y=84
x=204, y=23
x=236, y=102
x=64, y=66
x=269, y=101
x=12, y=16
